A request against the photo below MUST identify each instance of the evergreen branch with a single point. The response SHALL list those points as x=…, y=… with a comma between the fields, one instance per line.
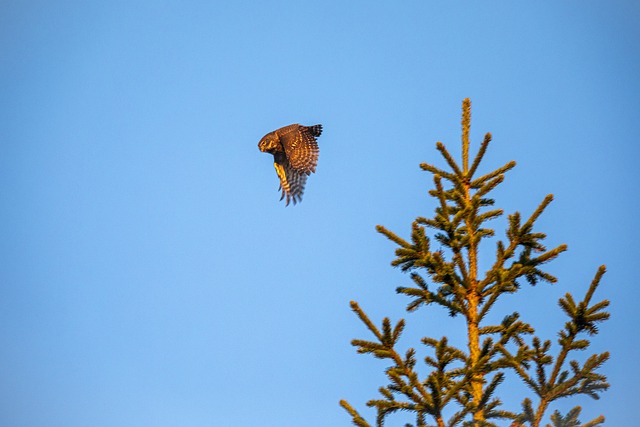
x=466, y=125
x=412, y=388
x=528, y=226
x=444, y=209
x=445, y=153
x=434, y=170
x=489, y=215
x=511, y=329
x=488, y=186
x=582, y=318
x=594, y=283
x=479, y=156
x=493, y=297
x=519, y=363
x=497, y=270
x=397, y=331
x=386, y=332
x=357, y=419
x=490, y=389
x=478, y=423
x=488, y=330
x=457, y=417
x=528, y=415
x=484, y=232
x=549, y=255
x=527, y=265
x=377, y=350
x=462, y=267
x=503, y=254
x=392, y=236
x=596, y=422
x=444, y=387
x=584, y=380
x=365, y=319
x=479, y=181
x=499, y=414
x=425, y=297
x=513, y=232
x=571, y=419
x=541, y=359
x=545, y=277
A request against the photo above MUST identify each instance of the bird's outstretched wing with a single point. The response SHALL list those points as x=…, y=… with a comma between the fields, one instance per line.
x=301, y=147
x=292, y=182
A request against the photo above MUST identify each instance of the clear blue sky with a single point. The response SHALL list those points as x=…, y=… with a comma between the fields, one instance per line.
x=149, y=275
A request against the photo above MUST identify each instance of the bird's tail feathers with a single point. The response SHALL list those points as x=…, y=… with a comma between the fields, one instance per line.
x=315, y=130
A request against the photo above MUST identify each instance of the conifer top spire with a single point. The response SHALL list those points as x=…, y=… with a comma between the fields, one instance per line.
x=468, y=378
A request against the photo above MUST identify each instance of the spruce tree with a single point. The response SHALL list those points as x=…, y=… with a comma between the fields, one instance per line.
x=464, y=382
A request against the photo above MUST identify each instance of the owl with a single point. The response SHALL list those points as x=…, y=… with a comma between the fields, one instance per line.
x=295, y=155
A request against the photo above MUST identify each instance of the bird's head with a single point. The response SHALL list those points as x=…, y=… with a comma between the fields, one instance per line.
x=268, y=143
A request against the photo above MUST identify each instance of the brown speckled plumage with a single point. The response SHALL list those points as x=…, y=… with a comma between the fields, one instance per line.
x=295, y=156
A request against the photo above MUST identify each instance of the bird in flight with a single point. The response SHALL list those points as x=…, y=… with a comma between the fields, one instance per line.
x=295, y=155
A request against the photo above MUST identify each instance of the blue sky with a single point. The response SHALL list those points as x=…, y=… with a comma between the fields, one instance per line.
x=150, y=276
